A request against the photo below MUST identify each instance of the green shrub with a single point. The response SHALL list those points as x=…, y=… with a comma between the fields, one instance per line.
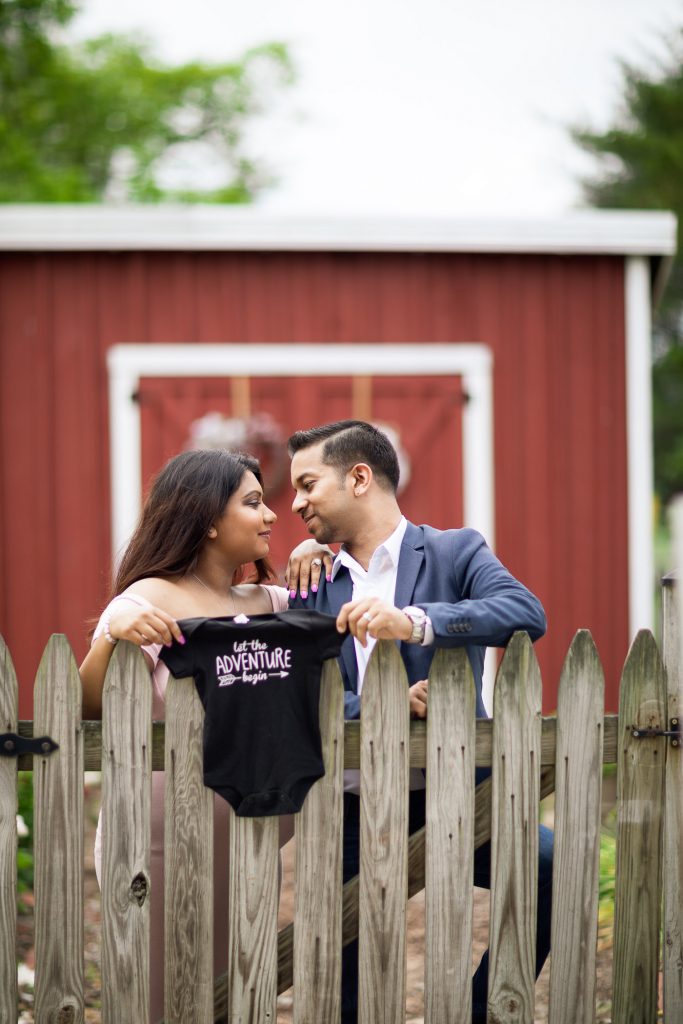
x=608, y=856
x=25, y=850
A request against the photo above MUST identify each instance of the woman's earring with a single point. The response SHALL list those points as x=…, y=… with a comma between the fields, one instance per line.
x=213, y=532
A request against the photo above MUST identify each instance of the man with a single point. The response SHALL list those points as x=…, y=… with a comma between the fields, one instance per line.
x=425, y=587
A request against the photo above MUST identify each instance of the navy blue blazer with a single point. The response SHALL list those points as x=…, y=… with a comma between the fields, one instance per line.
x=470, y=597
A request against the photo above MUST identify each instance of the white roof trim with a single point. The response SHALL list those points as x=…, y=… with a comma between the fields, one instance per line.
x=240, y=228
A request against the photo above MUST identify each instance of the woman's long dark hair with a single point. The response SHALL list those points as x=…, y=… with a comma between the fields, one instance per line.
x=187, y=497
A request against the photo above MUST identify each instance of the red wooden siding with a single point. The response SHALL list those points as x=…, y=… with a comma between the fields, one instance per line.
x=556, y=328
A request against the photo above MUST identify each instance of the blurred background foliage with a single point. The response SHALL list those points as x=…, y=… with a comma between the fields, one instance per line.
x=640, y=166
x=25, y=838
x=95, y=121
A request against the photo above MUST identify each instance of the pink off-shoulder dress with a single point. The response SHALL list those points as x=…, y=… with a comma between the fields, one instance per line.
x=222, y=812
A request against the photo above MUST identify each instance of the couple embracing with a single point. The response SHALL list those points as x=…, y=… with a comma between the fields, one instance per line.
x=205, y=519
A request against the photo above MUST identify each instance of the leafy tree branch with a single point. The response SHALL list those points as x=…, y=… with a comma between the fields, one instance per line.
x=80, y=123
x=640, y=166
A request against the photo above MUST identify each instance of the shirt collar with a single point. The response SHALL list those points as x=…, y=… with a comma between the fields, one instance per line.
x=390, y=548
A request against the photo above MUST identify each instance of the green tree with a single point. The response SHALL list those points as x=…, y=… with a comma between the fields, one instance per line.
x=77, y=122
x=640, y=166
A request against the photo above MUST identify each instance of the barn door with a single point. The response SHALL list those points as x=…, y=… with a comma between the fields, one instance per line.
x=257, y=414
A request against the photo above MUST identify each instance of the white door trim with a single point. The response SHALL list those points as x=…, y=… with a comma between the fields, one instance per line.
x=127, y=364
x=641, y=570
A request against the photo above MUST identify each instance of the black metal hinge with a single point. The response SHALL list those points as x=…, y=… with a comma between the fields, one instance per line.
x=673, y=734
x=12, y=745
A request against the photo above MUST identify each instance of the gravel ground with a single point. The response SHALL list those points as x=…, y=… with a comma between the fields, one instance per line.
x=415, y=984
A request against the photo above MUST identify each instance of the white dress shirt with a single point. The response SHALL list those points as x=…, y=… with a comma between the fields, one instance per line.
x=378, y=581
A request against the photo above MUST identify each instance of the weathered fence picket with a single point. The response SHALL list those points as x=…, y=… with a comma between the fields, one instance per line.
x=188, y=862
x=449, y=840
x=383, y=891
x=318, y=909
x=640, y=788
x=126, y=835
x=514, y=833
x=526, y=756
x=8, y=841
x=576, y=859
x=253, y=919
x=58, y=822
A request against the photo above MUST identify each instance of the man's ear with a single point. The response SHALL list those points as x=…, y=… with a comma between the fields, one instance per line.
x=361, y=478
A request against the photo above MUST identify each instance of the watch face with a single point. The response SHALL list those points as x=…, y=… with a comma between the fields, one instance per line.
x=417, y=617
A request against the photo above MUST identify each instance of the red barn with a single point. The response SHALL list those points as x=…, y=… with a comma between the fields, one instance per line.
x=510, y=359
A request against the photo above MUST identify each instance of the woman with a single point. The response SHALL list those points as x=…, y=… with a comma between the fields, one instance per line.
x=204, y=520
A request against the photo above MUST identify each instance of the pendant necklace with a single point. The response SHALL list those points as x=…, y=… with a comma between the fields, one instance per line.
x=213, y=592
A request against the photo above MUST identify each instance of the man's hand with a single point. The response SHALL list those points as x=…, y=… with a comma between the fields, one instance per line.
x=305, y=567
x=418, y=699
x=372, y=617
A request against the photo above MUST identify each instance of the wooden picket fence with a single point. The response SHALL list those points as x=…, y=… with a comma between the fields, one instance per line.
x=530, y=757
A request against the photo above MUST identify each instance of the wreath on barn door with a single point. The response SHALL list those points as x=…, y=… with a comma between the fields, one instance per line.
x=259, y=435
x=262, y=436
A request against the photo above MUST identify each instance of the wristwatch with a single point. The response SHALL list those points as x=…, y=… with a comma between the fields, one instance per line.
x=418, y=618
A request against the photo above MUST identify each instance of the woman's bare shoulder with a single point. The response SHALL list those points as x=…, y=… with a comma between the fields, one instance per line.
x=257, y=598
x=278, y=596
x=164, y=593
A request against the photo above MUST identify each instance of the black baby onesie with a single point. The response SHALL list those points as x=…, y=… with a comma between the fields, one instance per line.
x=259, y=681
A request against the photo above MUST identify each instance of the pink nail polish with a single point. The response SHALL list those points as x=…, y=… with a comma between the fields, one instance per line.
x=182, y=640
x=304, y=594
x=292, y=593
x=314, y=588
x=329, y=579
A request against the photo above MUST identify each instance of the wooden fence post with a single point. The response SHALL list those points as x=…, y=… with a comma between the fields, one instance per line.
x=449, y=868
x=516, y=761
x=319, y=830
x=8, y=842
x=672, y=954
x=576, y=861
x=640, y=791
x=188, y=862
x=253, y=900
x=385, y=723
x=126, y=833
x=58, y=832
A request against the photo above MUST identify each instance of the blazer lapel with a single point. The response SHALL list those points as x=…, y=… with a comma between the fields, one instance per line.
x=409, y=562
x=339, y=593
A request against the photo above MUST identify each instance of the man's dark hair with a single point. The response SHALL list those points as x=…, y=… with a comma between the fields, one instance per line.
x=348, y=442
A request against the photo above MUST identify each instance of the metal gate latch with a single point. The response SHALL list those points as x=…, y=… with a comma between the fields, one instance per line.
x=673, y=734
x=12, y=745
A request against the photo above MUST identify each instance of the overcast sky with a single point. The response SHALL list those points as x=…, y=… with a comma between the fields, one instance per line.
x=418, y=106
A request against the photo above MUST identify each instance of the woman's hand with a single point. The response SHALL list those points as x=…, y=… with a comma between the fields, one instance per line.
x=143, y=626
x=305, y=567
x=127, y=621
